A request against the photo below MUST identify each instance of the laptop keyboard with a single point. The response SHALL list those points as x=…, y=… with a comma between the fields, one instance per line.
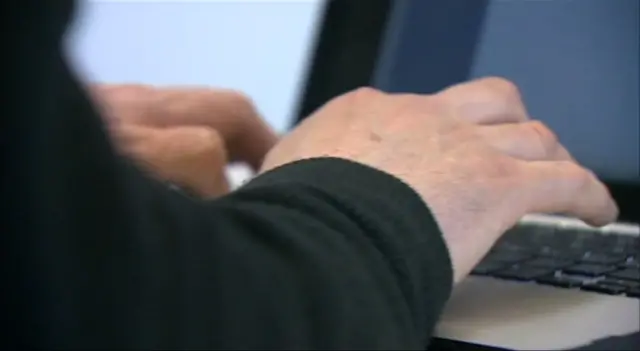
x=580, y=258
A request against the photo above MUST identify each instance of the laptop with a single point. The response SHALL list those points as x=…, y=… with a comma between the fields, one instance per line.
x=551, y=282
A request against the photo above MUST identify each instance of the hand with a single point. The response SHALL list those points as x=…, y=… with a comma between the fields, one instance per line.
x=185, y=136
x=470, y=152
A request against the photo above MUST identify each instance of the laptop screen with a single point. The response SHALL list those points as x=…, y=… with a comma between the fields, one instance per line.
x=576, y=63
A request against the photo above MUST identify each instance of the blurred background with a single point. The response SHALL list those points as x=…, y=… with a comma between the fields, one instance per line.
x=575, y=61
x=257, y=46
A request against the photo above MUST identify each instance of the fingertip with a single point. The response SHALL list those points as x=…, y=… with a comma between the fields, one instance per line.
x=609, y=215
x=566, y=187
x=605, y=214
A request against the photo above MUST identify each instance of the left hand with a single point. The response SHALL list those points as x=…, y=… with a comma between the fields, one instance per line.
x=185, y=136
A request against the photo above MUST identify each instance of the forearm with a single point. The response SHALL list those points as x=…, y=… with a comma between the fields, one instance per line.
x=323, y=253
x=370, y=267
x=284, y=263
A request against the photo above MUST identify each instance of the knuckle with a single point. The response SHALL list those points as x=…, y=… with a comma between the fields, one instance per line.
x=414, y=106
x=209, y=137
x=129, y=93
x=211, y=147
x=499, y=167
x=126, y=135
x=425, y=101
x=366, y=93
x=237, y=104
x=505, y=168
x=578, y=176
x=135, y=89
x=237, y=98
x=502, y=87
x=199, y=140
x=116, y=94
x=546, y=137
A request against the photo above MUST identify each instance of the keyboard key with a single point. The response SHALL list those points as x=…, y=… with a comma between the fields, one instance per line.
x=549, y=262
x=487, y=267
x=591, y=270
x=508, y=256
x=583, y=239
x=625, y=243
x=605, y=288
x=567, y=257
x=511, y=237
x=548, y=251
x=528, y=236
x=602, y=258
x=627, y=284
x=630, y=262
x=564, y=280
x=634, y=292
x=522, y=272
x=626, y=274
x=625, y=250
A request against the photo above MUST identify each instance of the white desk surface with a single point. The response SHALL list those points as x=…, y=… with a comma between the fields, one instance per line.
x=526, y=316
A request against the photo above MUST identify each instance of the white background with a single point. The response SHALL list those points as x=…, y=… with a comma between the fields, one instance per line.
x=257, y=46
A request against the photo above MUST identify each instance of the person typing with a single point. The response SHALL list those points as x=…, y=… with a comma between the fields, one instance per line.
x=351, y=236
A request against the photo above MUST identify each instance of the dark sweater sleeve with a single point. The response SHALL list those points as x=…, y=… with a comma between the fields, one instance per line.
x=321, y=253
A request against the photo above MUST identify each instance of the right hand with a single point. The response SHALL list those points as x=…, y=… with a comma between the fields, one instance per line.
x=470, y=152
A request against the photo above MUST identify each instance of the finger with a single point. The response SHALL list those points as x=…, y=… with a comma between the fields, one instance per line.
x=194, y=158
x=567, y=188
x=531, y=141
x=247, y=137
x=486, y=101
x=122, y=103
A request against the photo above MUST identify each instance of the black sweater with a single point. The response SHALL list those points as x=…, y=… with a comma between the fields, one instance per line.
x=317, y=254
